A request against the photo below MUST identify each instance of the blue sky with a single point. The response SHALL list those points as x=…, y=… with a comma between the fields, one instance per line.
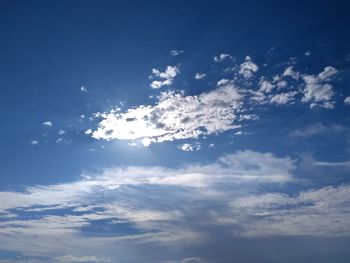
x=187, y=131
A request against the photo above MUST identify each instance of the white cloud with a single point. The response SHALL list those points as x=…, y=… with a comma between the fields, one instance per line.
x=317, y=90
x=61, y=132
x=222, y=57
x=175, y=116
x=47, y=123
x=319, y=129
x=327, y=73
x=248, y=68
x=266, y=86
x=224, y=194
x=84, y=259
x=166, y=77
x=200, y=76
x=283, y=98
x=347, y=101
x=242, y=166
x=223, y=82
x=333, y=164
x=34, y=142
x=175, y=53
x=187, y=147
x=83, y=89
x=88, y=131
x=315, y=212
x=291, y=73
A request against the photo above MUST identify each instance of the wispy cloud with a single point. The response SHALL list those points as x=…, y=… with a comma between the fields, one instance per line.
x=199, y=76
x=175, y=53
x=315, y=129
x=120, y=208
x=222, y=57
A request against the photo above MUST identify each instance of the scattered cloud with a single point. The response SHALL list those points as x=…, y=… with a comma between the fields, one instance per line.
x=47, y=123
x=266, y=86
x=347, y=101
x=34, y=142
x=283, y=98
x=317, y=90
x=83, y=89
x=61, y=132
x=200, y=76
x=187, y=147
x=248, y=68
x=223, y=82
x=222, y=57
x=291, y=73
x=165, y=78
x=175, y=53
x=88, y=131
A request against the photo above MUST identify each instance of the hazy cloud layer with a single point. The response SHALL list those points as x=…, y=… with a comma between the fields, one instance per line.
x=120, y=209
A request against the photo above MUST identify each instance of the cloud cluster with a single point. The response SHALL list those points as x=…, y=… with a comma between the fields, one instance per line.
x=165, y=78
x=248, y=68
x=175, y=116
x=317, y=90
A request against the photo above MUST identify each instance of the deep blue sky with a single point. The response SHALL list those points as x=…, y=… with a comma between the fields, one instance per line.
x=61, y=62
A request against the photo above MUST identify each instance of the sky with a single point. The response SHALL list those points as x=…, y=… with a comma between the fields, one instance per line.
x=174, y=132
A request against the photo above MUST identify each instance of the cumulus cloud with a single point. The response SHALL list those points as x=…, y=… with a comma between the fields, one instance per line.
x=47, y=123
x=222, y=57
x=317, y=90
x=200, y=76
x=165, y=78
x=266, y=86
x=283, y=98
x=175, y=53
x=347, y=101
x=175, y=116
x=83, y=89
x=248, y=68
x=291, y=73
